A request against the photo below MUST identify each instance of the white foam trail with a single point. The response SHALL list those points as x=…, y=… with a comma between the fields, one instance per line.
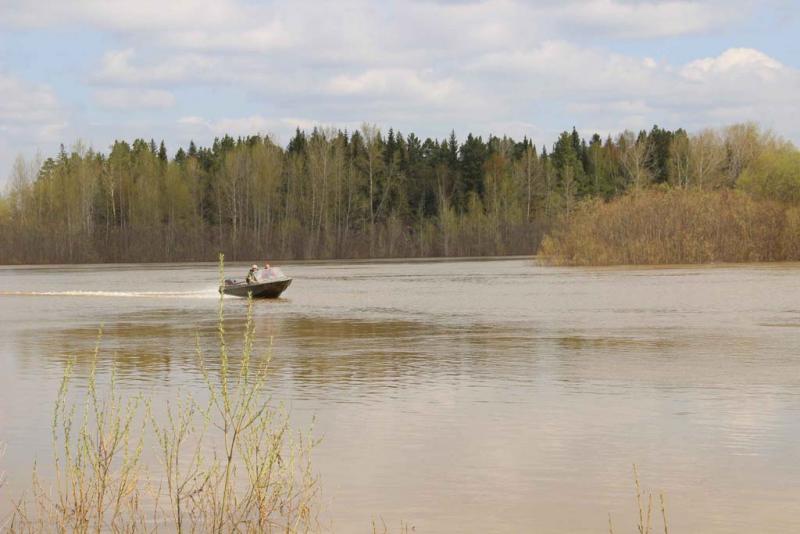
x=116, y=294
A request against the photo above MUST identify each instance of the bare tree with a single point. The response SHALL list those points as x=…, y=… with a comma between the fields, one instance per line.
x=637, y=154
x=706, y=158
x=372, y=150
x=743, y=144
x=679, y=159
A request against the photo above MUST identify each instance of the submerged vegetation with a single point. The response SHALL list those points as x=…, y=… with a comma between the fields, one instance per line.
x=338, y=194
x=227, y=464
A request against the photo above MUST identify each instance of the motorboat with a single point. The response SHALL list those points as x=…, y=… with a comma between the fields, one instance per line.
x=266, y=283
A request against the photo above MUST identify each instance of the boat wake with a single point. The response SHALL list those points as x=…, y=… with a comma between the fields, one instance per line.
x=212, y=293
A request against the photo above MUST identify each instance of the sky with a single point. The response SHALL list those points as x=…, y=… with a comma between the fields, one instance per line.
x=181, y=70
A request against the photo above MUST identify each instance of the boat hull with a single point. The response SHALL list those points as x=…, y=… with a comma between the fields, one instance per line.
x=260, y=290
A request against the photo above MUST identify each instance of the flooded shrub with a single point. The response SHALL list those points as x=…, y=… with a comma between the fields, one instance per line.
x=790, y=241
x=658, y=226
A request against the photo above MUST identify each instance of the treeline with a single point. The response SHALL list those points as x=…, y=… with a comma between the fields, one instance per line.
x=337, y=194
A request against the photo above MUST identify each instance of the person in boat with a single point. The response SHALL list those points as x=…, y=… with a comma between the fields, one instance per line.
x=252, y=274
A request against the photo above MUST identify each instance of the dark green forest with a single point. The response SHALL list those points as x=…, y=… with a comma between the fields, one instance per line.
x=336, y=194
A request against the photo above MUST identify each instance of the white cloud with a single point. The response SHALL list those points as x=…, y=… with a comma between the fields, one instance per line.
x=29, y=112
x=127, y=68
x=647, y=19
x=31, y=118
x=118, y=68
x=458, y=56
x=23, y=103
x=615, y=91
x=735, y=61
x=393, y=82
x=122, y=15
x=760, y=87
x=131, y=99
x=272, y=36
x=370, y=31
x=621, y=107
x=192, y=120
x=559, y=69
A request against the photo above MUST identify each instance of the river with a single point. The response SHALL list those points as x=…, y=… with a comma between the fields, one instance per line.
x=462, y=396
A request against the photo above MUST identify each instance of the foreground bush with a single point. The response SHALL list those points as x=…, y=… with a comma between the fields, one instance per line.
x=675, y=226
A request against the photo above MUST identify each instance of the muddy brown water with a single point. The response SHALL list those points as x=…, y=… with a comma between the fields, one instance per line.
x=462, y=396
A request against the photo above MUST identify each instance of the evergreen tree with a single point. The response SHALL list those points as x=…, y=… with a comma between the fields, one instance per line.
x=660, y=141
x=473, y=154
